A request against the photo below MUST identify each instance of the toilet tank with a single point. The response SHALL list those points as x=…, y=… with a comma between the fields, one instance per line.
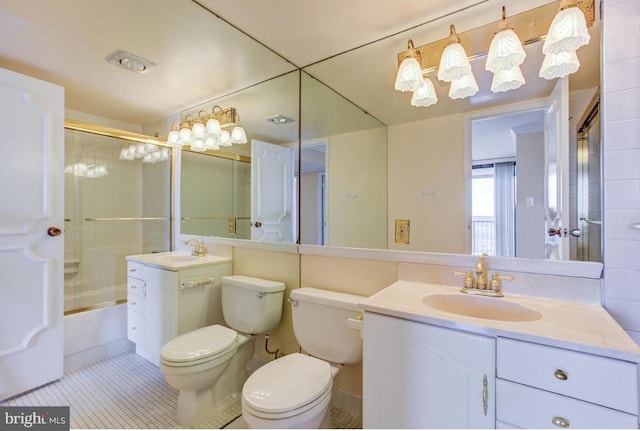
x=251, y=305
x=320, y=324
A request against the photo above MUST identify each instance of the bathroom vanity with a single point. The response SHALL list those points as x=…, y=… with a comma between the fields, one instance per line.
x=170, y=294
x=437, y=358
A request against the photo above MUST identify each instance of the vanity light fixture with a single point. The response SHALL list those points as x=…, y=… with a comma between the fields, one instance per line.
x=506, y=53
x=504, y=58
x=207, y=130
x=425, y=95
x=567, y=33
x=409, y=76
x=456, y=68
x=129, y=61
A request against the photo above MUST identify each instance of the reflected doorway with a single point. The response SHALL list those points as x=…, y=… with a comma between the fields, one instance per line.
x=507, y=188
x=313, y=195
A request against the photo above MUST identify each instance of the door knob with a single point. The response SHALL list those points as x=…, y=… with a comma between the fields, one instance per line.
x=575, y=232
x=258, y=224
x=54, y=231
x=554, y=232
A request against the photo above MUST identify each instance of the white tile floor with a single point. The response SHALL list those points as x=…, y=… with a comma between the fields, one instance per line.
x=126, y=391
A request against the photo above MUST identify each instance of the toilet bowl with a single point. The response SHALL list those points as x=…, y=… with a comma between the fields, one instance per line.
x=193, y=363
x=295, y=391
x=291, y=392
x=208, y=365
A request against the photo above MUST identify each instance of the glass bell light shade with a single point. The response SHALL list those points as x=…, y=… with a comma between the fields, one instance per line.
x=148, y=159
x=197, y=131
x=409, y=76
x=567, y=32
x=463, y=87
x=454, y=63
x=213, y=128
x=505, y=51
x=172, y=138
x=425, y=95
x=139, y=151
x=508, y=79
x=210, y=143
x=224, y=140
x=559, y=65
x=185, y=135
x=165, y=152
x=197, y=145
x=238, y=135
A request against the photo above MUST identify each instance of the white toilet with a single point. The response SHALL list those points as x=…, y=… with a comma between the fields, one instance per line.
x=208, y=365
x=295, y=390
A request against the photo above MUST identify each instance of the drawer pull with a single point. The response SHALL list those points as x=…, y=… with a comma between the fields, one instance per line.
x=132, y=270
x=560, y=422
x=485, y=394
x=561, y=375
x=133, y=304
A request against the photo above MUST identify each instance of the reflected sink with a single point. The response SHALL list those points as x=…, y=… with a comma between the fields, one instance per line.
x=481, y=307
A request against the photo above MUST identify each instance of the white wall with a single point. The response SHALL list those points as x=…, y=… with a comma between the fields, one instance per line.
x=357, y=189
x=420, y=164
x=621, y=145
x=530, y=185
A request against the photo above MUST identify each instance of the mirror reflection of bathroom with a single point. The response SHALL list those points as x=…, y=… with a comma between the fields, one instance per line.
x=516, y=183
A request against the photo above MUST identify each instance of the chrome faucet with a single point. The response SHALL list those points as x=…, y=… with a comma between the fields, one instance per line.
x=476, y=281
x=199, y=249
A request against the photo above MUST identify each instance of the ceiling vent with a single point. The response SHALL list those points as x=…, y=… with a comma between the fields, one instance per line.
x=129, y=61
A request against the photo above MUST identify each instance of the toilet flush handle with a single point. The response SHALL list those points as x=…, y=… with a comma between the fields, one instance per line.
x=293, y=302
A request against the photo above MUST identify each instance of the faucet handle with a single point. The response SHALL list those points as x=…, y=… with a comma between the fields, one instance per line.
x=469, y=279
x=495, y=284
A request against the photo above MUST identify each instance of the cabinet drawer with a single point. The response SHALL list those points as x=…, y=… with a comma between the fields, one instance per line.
x=135, y=325
x=527, y=407
x=135, y=269
x=136, y=303
x=136, y=287
x=604, y=381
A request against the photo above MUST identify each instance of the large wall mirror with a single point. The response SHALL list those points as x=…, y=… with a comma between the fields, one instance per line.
x=233, y=192
x=438, y=168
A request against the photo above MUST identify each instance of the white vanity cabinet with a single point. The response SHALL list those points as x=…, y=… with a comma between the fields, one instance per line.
x=417, y=375
x=164, y=303
x=540, y=386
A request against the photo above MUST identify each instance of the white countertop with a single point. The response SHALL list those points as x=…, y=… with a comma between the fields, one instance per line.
x=582, y=327
x=177, y=260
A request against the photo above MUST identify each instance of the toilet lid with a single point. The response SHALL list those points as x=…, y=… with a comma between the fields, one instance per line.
x=287, y=383
x=199, y=344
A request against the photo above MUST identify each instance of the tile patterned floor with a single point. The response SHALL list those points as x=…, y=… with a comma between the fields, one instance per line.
x=127, y=392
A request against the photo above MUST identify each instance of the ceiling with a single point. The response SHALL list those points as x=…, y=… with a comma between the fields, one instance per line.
x=211, y=49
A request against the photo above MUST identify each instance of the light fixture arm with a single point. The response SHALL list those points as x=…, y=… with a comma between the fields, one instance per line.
x=453, y=36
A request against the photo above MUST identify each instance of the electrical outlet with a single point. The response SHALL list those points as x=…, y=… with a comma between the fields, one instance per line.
x=402, y=231
x=352, y=196
x=428, y=194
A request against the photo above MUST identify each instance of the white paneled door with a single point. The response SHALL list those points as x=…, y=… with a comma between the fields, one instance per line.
x=271, y=192
x=31, y=224
x=556, y=175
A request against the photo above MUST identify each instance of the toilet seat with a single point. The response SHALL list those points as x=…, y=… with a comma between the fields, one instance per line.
x=286, y=387
x=200, y=346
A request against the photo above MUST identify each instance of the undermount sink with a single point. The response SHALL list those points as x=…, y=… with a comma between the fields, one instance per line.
x=481, y=307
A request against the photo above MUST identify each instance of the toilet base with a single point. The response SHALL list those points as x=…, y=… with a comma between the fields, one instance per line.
x=197, y=407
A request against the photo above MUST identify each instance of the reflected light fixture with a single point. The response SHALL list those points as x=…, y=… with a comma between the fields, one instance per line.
x=206, y=131
x=149, y=153
x=504, y=58
x=409, y=76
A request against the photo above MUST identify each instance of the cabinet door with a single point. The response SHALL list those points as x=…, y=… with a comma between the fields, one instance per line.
x=423, y=376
